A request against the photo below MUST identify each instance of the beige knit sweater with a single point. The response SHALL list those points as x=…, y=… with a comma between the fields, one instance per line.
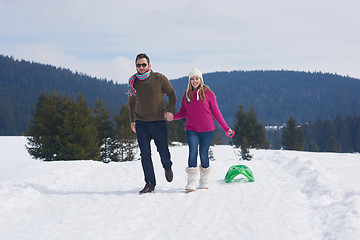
x=148, y=104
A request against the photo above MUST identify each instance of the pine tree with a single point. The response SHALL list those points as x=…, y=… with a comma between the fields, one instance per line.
x=345, y=131
x=329, y=130
x=275, y=139
x=239, y=127
x=241, y=133
x=103, y=121
x=244, y=150
x=309, y=136
x=45, y=126
x=62, y=130
x=292, y=136
x=78, y=135
x=356, y=143
x=313, y=147
x=256, y=131
x=318, y=130
x=343, y=135
x=211, y=154
x=351, y=122
x=105, y=130
x=125, y=138
x=248, y=131
x=332, y=145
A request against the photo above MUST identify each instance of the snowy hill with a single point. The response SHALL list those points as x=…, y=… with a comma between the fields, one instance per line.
x=296, y=195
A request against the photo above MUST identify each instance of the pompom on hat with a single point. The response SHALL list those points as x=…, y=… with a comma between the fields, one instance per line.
x=195, y=72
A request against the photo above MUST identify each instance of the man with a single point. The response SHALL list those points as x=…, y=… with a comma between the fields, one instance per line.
x=147, y=116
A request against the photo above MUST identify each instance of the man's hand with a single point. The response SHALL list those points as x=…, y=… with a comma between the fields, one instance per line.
x=133, y=127
x=169, y=116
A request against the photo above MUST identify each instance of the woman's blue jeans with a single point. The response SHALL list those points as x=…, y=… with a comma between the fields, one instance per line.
x=199, y=142
x=145, y=131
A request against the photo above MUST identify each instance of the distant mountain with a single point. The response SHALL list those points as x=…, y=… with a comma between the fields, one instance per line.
x=21, y=83
x=275, y=94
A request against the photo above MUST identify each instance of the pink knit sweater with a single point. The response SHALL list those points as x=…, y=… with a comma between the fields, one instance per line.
x=199, y=114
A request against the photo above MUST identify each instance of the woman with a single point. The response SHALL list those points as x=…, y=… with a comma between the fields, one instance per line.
x=199, y=106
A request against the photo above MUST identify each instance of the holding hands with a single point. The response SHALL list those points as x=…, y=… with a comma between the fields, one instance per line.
x=169, y=116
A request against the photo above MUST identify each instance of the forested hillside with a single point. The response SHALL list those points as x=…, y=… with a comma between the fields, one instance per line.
x=275, y=95
x=22, y=82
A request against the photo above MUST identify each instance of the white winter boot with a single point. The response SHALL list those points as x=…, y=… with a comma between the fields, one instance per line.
x=204, y=177
x=192, y=175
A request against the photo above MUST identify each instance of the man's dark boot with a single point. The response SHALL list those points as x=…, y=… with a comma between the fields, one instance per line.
x=148, y=188
x=169, y=174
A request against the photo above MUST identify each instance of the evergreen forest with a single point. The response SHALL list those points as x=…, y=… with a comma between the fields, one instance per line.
x=22, y=82
x=312, y=99
x=277, y=95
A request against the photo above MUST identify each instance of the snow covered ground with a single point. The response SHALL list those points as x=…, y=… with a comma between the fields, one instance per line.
x=296, y=195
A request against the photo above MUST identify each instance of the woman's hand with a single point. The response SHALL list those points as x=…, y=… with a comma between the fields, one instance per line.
x=230, y=133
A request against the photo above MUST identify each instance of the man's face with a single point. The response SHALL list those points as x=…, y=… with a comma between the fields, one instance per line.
x=142, y=66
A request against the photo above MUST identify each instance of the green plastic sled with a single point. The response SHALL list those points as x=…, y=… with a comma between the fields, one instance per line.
x=236, y=170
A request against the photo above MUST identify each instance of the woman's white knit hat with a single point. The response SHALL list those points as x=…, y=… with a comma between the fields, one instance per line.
x=195, y=72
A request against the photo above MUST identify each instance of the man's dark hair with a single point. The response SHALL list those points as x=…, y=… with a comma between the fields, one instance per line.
x=142, y=55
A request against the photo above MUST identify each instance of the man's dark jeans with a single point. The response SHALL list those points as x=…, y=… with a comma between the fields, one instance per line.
x=145, y=131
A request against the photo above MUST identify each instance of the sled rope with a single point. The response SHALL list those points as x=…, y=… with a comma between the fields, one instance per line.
x=233, y=147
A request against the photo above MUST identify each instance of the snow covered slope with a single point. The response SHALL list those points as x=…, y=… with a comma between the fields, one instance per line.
x=296, y=195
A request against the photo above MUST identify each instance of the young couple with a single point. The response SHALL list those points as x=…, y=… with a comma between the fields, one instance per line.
x=148, y=120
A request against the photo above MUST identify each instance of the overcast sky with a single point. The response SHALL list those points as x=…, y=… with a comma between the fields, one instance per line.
x=102, y=37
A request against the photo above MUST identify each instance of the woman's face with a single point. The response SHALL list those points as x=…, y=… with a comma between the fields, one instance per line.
x=195, y=81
